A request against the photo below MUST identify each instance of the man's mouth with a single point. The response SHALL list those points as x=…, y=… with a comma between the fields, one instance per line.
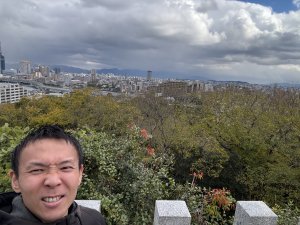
x=52, y=199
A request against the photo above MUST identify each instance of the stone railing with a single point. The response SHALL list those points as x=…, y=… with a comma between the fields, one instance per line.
x=175, y=212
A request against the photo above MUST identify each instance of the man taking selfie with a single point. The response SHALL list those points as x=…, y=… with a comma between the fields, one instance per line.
x=47, y=168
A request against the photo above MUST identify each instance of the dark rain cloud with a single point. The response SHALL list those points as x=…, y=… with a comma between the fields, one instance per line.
x=221, y=39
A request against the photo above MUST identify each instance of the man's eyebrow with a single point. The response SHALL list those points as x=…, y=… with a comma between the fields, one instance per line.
x=67, y=162
x=36, y=164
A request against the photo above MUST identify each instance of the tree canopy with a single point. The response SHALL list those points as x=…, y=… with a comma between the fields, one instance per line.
x=145, y=148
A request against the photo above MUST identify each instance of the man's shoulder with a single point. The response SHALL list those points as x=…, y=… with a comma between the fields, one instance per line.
x=7, y=219
x=7, y=197
x=91, y=216
x=6, y=200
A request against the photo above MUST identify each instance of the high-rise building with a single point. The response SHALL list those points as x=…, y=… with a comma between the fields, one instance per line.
x=45, y=70
x=149, y=75
x=25, y=67
x=93, y=75
x=57, y=70
x=2, y=61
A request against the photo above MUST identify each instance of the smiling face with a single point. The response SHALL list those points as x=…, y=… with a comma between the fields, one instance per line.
x=49, y=177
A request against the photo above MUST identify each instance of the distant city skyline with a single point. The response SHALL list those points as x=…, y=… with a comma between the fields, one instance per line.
x=256, y=41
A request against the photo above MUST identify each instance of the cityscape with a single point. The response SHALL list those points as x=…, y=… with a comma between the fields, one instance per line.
x=38, y=80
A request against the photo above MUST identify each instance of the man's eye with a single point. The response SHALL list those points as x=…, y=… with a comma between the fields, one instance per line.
x=67, y=168
x=36, y=171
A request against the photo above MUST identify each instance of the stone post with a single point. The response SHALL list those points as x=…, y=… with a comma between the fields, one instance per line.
x=94, y=204
x=171, y=212
x=254, y=213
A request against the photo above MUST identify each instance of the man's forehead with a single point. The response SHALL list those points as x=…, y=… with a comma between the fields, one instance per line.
x=47, y=147
x=42, y=141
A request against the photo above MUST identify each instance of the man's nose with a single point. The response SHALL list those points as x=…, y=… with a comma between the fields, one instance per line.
x=52, y=178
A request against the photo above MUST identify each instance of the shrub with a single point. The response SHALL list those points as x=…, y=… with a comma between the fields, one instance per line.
x=124, y=175
x=288, y=214
x=207, y=206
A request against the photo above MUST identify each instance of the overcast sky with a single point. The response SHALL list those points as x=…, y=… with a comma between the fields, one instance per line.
x=258, y=42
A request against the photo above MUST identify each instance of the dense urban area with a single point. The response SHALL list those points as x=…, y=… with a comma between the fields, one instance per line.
x=32, y=80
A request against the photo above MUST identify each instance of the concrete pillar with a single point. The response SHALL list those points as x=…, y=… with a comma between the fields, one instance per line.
x=94, y=204
x=254, y=213
x=171, y=212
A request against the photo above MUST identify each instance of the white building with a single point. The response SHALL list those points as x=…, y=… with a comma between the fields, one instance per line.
x=10, y=93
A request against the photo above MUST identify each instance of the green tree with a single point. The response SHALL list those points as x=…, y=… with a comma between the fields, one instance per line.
x=9, y=138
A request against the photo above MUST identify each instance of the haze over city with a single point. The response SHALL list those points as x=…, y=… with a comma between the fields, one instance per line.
x=253, y=41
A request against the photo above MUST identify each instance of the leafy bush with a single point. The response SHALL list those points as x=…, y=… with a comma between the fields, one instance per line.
x=207, y=206
x=125, y=175
x=288, y=214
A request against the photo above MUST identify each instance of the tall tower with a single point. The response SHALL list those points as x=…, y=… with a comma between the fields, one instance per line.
x=149, y=75
x=93, y=75
x=2, y=61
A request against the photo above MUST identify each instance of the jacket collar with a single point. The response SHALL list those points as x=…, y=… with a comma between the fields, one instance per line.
x=19, y=210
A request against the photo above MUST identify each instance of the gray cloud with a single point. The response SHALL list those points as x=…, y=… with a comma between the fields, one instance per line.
x=224, y=39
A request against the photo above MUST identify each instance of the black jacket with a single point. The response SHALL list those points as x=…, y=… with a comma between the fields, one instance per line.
x=78, y=215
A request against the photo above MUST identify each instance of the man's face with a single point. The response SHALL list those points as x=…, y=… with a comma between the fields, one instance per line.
x=48, y=178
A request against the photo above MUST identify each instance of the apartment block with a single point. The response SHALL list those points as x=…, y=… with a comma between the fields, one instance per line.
x=11, y=93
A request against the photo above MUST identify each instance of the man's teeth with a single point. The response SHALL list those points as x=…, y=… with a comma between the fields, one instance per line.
x=51, y=199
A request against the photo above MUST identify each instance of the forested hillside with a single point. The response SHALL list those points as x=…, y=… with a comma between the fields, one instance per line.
x=207, y=149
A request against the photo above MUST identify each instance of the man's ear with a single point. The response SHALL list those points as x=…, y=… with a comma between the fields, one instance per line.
x=14, y=181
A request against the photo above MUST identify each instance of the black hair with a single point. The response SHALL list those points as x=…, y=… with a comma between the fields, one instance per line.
x=44, y=132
